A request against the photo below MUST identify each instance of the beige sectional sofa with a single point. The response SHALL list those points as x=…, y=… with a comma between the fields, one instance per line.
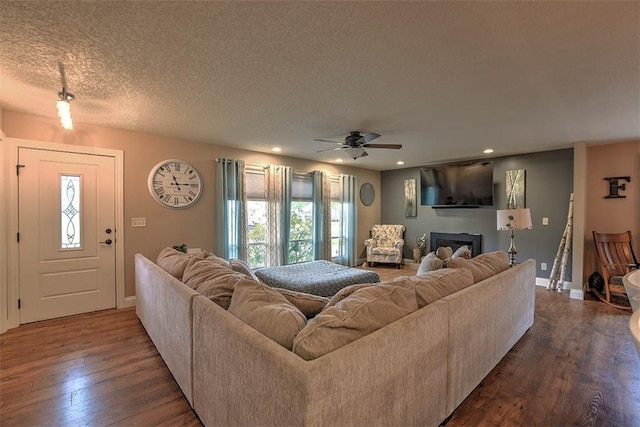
x=414, y=371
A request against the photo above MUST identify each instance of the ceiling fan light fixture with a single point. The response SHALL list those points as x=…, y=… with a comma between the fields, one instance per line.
x=356, y=152
x=64, y=109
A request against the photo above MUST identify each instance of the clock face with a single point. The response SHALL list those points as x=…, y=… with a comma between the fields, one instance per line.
x=175, y=184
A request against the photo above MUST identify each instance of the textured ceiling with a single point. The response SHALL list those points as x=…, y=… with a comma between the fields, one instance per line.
x=445, y=79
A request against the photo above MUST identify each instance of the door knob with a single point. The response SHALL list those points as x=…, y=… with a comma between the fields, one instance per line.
x=108, y=241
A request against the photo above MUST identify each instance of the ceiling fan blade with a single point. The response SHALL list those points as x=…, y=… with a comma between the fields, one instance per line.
x=370, y=137
x=328, y=140
x=331, y=149
x=392, y=146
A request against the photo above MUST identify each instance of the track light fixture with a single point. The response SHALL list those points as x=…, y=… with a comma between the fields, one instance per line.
x=64, y=108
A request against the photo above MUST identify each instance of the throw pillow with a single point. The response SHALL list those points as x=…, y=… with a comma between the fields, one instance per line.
x=242, y=267
x=364, y=311
x=444, y=252
x=434, y=285
x=267, y=311
x=309, y=305
x=484, y=265
x=174, y=262
x=462, y=252
x=430, y=262
x=212, y=280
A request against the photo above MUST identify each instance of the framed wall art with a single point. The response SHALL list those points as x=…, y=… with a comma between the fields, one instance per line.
x=410, y=198
x=515, y=189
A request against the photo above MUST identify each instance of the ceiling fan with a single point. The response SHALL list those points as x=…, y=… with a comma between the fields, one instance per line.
x=355, y=143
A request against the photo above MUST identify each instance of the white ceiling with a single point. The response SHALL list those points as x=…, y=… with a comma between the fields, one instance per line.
x=445, y=79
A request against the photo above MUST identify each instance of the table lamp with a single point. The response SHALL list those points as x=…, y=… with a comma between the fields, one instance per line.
x=513, y=219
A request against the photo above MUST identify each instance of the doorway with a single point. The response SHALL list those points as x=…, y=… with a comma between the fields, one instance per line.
x=66, y=213
x=66, y=222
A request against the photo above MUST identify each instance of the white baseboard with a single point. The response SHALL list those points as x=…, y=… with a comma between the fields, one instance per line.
x=566, y=286
x=577, y=294
x=128, y=302
x=541, y=281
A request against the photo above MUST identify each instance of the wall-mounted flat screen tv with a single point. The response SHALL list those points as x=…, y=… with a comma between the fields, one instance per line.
x=457, y=185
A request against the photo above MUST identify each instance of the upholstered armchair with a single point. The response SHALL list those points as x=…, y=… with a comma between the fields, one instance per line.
x=385, y=244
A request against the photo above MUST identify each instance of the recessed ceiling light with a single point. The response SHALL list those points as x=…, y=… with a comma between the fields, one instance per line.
x=399, y=162
x=276, y=149
x=488, y=151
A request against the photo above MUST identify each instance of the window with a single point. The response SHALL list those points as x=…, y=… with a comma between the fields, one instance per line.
x=70, y=212
x=301, y=220
x=296, y=227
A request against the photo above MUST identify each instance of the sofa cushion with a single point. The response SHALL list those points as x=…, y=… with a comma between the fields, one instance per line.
x=216, y=259
x=346, y=291
x=212, y=280
x=266, y=310
x=174, y=262
x=308, y=304
x=432, y=286
x=430, y=262
x=242, y=267
x=364, y=311
x=484, y=265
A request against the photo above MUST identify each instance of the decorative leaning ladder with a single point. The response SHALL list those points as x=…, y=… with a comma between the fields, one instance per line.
x=556, y=279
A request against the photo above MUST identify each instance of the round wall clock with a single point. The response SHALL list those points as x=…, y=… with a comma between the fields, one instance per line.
x=367, y=194
x=175, y=184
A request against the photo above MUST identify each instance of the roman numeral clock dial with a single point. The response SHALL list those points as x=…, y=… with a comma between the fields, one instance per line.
x=175, y=184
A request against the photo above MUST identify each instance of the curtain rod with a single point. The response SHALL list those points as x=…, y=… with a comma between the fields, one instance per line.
x=259, y=167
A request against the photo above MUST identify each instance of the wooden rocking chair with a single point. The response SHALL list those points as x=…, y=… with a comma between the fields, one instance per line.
x=616, y=258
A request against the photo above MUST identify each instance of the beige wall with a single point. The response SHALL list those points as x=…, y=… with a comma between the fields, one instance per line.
x=611, y=215
x=165, y=227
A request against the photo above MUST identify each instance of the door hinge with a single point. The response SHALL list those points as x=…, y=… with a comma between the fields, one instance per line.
x=18, y=169
x=18, y=237
x=19, y=304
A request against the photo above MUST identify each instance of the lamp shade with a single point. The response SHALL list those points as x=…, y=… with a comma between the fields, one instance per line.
x=514, y=219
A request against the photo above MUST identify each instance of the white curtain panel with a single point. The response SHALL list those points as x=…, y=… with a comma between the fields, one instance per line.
x=278, y=196
x=321, y=215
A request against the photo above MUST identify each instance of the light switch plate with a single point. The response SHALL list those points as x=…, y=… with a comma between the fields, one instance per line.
x=138, y=222
x=545, y=221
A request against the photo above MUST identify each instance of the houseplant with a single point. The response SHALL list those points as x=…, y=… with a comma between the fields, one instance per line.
x=419, y=243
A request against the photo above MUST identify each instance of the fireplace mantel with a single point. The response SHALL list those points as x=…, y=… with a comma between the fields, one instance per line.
x=456, y=240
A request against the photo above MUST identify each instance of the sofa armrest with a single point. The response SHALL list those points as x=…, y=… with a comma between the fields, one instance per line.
x=164, y=308
x=371, y=243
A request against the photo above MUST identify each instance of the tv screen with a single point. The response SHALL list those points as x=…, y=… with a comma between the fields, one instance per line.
x=459, y=185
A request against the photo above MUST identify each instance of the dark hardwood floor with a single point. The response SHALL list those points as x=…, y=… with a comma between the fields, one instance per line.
x=577, y=366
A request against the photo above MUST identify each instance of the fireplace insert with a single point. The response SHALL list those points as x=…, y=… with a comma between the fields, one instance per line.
x=456, y=240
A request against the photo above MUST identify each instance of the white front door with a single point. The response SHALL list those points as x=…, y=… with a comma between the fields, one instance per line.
x=66, y=222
